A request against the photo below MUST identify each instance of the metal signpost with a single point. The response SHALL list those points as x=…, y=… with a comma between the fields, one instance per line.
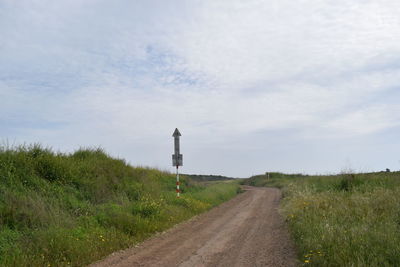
x=177, y=159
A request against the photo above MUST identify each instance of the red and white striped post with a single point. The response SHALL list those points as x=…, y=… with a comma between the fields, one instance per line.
x=177, y=183
x=177, y=159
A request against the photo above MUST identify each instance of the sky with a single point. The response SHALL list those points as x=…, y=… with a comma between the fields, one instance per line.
x=253, y=86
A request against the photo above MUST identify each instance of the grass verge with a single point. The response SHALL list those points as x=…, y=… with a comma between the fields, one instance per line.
x=342, y=220
x=72, y=209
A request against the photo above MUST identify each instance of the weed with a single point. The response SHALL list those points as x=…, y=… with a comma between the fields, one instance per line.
x=72, y=209
x=343, y=220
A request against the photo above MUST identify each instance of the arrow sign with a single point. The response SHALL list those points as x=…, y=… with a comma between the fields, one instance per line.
x=177, y=159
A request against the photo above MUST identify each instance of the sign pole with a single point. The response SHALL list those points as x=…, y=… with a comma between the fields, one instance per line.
x=177, y=159
x=177, y=183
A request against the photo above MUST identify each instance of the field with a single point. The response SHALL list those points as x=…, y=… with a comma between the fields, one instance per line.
x=72, y=209
x=207, y=178
x=342, y=220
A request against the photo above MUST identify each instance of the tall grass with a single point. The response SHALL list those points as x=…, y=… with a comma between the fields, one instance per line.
x=61, y=209
x=343, y=220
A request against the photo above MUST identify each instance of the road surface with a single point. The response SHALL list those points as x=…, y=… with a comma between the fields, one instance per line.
x=245, y=231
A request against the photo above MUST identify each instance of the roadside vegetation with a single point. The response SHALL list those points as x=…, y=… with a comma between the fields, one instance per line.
x=208, y=178
x=72, y=209
x=342, y=220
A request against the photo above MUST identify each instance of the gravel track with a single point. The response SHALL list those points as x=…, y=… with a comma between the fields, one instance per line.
x=245, y=231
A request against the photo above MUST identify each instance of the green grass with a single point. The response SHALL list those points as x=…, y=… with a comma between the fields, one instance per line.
x=342, y=220
x=61, y=209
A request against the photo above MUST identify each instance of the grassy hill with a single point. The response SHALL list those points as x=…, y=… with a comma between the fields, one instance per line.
x=342, y=220
x=207, y=178
x=61, y=209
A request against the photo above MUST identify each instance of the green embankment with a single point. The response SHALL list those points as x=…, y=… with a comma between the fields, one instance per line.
x=72, y=209
x=207, y=178
x=343, y=220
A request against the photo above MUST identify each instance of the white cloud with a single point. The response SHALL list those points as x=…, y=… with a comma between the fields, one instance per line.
x=220, y=70
x=241, y=44
x=368, y=120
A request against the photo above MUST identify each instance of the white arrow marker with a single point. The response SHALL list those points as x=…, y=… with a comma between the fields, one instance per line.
x=177, y=159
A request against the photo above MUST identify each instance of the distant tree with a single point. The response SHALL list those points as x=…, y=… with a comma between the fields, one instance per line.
x=387, y=170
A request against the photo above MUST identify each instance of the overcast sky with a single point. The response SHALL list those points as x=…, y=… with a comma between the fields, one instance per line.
x=308, y=86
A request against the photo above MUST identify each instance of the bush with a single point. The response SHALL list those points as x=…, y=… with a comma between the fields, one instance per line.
x=349, y=182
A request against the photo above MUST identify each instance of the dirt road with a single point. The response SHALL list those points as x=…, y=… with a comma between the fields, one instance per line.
x=245, y=231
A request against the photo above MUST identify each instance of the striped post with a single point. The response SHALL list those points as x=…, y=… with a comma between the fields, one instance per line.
x=177, y=159
x=177, y=183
